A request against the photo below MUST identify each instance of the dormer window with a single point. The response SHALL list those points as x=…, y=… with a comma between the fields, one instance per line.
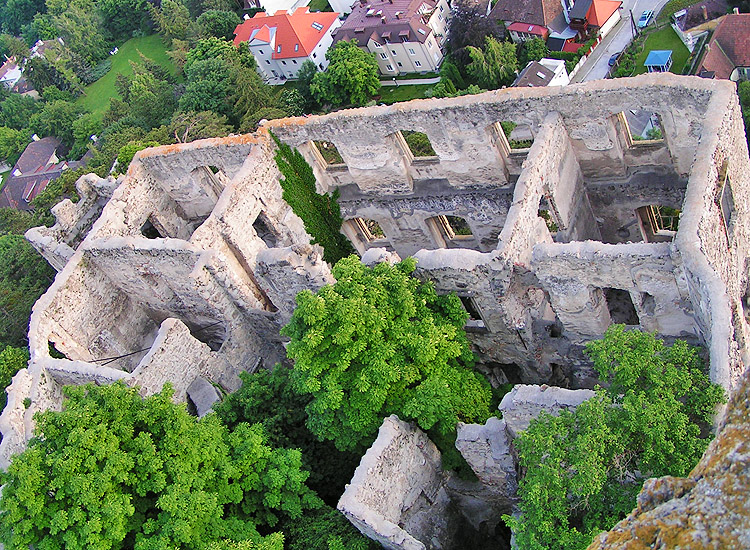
x=278, y=48
x=296, y=47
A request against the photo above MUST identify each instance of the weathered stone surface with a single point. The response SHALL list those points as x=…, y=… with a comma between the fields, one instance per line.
x=203, y=395
x=524, y=403
x=397, y=495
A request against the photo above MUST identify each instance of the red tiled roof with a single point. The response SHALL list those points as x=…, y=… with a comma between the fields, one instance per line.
x=571, y=47
x=288, y=30
x=729, y=46
x=602, y=10
x=528, y=28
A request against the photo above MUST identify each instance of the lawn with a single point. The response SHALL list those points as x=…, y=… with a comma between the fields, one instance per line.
x=96, y=95
x=665, y=39
x=393, y=94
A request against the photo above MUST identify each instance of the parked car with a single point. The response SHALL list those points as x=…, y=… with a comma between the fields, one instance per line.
x=613, y=59
x=646, y=18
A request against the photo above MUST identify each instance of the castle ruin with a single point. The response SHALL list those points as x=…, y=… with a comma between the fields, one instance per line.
x=185, y=269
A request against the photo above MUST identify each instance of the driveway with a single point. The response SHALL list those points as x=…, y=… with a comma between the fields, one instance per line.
x=597, y=65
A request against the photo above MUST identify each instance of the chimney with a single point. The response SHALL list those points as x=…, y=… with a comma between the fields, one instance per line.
x=705, y=13
x=736, y=11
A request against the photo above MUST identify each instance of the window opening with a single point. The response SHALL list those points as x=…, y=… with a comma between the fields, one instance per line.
x=725, y=200
x=475, y=318
x=264, y=232
x=212, y=334
x=329, y=152
x=519, y=135
x=454, y=227
x=419, y=144
x=369, y=229
x=660, y=223
x=551, y=224
x=150, y=231
x=643, y=125
x=621, y=308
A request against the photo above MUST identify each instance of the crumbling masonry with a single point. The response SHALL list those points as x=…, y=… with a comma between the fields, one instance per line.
x=185, y=269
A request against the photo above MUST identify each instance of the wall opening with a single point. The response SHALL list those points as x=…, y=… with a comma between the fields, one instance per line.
x=475, y=321
x=212, y=334
x=620, y=305
x=369, y=230
x=648, y=303
x=500, y=373
x=211, y=180
x=519, y=136
x=454, y=227
x=263, y=230
x=149, y=230
x=549, y=220
x=660, y=223
x=329, y=153
x=54, y=352
x=725, y=200
x=418, y=143
x=642, y=126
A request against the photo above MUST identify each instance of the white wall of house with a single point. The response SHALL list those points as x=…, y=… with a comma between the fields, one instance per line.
x=610, y=23
x=272, y=6
x=557, y=66
x=277, y=71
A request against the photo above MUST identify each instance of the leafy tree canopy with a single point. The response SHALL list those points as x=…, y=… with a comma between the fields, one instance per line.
x=218, y=23
x=584, y=469
x=495, y=66
x=112, y=470
x=351, y=77
x=380, y=342
x=11, y=361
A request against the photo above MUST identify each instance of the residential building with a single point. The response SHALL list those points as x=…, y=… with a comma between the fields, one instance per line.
x=545, y=72
x=528, y=19
x=10, y=73
x=728, y=52
x=282, y=42
x=273, y=6
x=594, y=17
x=36, y=167
x=406, y=36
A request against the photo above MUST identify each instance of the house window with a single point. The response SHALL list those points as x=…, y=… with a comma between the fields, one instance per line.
x=417, y=63
x=399, y=64
x=404, y=39
x=377, y=44
x=393, y=52
x=422, y=31
x=317, y=26
x=411, y=51
x=440, y=17
x=315, y=55
x=441, y=9
x=278, y=48
x=296, y=47
x=321, y=66
x=383, y=55
x=275, y=73
x=389, y=67
x=294, y=61
x=260, y=52
x=268, y=62
x=283, y=62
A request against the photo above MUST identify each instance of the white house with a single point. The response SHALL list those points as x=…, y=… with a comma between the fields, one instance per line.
x=282, y=42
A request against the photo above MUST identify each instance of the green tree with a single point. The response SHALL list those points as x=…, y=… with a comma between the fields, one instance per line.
x=218, y=23
x=250, y=121
x=380, y=342
x=208, y=86
x=56, y=119
x=320, y=213
x=127, y=153
x=305, y=76
x=11, y=361
x=352, y=76
x=274, y=541
x=122, y=17
x=189, y=126
x=84, y=128
x=584, y=469
x=16, y=111
x=495, y=66
x=24, y=276
x=12, y=143
x=292, y=102
x=80, y=24
x=172, y=19
x=112, y=470
x=17, y=13
x=532, y=50
x=151, y=100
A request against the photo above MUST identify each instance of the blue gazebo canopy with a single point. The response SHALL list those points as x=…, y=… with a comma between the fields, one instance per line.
x=659, y=60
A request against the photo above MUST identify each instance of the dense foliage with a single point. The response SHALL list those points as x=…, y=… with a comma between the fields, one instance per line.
x=320, y=213
x=351, y=77
x=380, y=342
x=495, y=65
x=11, y=361
x=113, y=470
x=584, y=469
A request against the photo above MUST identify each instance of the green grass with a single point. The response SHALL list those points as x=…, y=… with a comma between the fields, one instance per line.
x=319, y=5
x=97, y=95
x=665, y=39
x=416, y=76
x=394, y=94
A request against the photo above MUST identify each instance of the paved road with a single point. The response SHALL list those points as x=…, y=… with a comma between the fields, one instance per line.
x=597, y=65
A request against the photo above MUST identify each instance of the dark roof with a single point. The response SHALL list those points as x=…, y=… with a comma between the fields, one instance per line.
x=36, y=154
x=729, y=46
x=580, y=9
x=34, y=173
x=538, y=12
x=22, y=86
x=555, y=44
x=534, y=75
x=387, y=21
x=694, y=14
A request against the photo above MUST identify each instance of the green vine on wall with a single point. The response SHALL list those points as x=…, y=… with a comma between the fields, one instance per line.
x=320, y=213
